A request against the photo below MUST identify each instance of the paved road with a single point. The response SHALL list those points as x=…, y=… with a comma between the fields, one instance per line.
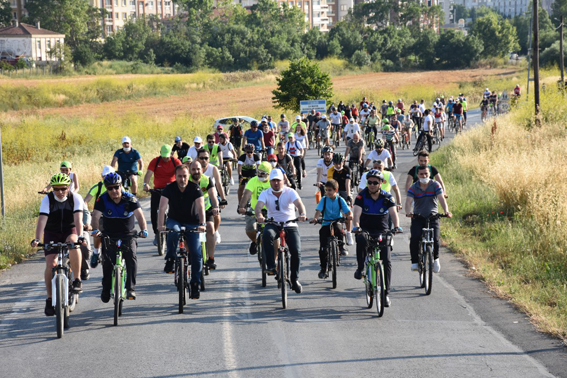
x=238, y=329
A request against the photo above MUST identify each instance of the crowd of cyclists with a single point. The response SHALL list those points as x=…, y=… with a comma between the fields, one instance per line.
x=356, y=147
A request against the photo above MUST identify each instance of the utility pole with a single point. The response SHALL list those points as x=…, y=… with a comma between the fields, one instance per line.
x=561, y=63
x=536, y=56
x=2, y=180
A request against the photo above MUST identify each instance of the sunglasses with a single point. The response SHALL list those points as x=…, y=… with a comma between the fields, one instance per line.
x=373, y=182
x=277, y=205
x=115, y=187
x=60, y=189
x=203, y=158
x=273, y=161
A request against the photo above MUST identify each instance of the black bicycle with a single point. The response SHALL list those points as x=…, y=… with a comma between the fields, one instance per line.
x=64, y=299
x=356, y=174
x=161, y=238
x=332, y=249
x=259, y=247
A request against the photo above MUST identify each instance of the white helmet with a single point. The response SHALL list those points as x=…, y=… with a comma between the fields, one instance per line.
x=106, y=170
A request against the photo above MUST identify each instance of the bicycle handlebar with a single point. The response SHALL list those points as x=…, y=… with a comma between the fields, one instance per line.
x=50, y=246
x=183, y=229
x=321, y=220
x=431, y=217
x=280, y=224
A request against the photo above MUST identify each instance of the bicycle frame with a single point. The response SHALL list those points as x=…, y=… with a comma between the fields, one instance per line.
x=120, y=264
x=62, y=269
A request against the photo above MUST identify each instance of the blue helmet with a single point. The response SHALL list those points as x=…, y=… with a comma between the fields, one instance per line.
x=112, y=178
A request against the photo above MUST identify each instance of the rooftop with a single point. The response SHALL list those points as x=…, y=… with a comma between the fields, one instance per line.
x=26, y=29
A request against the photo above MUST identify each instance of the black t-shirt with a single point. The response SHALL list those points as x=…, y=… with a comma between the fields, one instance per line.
x=341, y=177
x=181, y=151
x=182, y=204
x=413, y=172
x=285, y=163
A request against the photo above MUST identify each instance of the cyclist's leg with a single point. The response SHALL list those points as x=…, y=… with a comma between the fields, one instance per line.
x=172, y=238
x=361, y=244
x=196, y=254
x=131, y=259
x=154, y=206
x=50, y=259
x=271, y=233
x=298, y=171
x=294, y=245
x=251, y=227
x=415, y=231
x=109, y=252
x=75, y=254
x=428, y=136
x=324, y=233
x=134, y=181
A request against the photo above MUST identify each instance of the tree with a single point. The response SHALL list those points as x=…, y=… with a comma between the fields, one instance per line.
x=424, y=48
x=303, y=80
x=460, y=11
x=497, y=34
x=5, y=13
x=558, y=9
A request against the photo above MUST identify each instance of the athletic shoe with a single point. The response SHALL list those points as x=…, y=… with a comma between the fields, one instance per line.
x=271, y=271
x=195, y=291
x=231, y=181
x=211, y=263
x=388, y=301
x=296, y=286
x=414, y=267
x=217, y=237
x=253, y=248
x=105, y=297
x=349, y=238
x=323, y=273
x=436, y=266
x=49, y=310
x=77, y=286
x=131, y=294
x=343, y=251
x=95, y=259
x=358, y=274
x=169, y=266
x=85, y=274
x=155, y=241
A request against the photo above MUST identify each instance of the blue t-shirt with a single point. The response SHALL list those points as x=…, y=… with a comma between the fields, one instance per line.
x=254, y=138
x=450, y=107
x=333, y=208
x=127, y=161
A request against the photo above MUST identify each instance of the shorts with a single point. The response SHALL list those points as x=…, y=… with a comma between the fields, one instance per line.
x=209, y=217
x=244, y=180
x=324, y=134
x=57, y=237
x=458, y=116
x=250, y=223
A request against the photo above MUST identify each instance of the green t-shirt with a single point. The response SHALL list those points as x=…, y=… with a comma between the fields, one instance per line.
x=205, y=185
x=256, y=187
x=294, y=126
x=97, y=189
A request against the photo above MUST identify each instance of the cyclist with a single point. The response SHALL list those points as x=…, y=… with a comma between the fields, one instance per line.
x=254, y=137
x=228, y=154
x=371, y=209
x=181, y=147
x=391, y=137
x=493, y=100
x=371, y=123
x=484, y=107
x=364, y=101
x=283, y=127
x=465, y=108
x=416, y=115
x=407, y=125
x=355, y=151
x=329, y=208
x=458, y=113
x=186, y=209
x=211, y=208
x=128, y=163
x=163, y=170
x=390, y=110
x=298, y=122
x=323, y=166
x=247, y=164
x=423, y=161
x=118, y=210
x=341, y=174
x=353, y=110
x=60, y=219
x=236, y=134
x=296, y=151
x=449, y=109
x=65, y=168
x=351, y=128
x=219, y=132
x=301, y=137
x=364, y=113
x=323, y=127
x=194, y=149
x=379, y=153
x=285, y=162
x=384, y=108
x=336, y=119
x=423, y=199
x=214, y=151
x=517, y=91
x=269, y=137
x=272, y=124
x=281, y=201
x=400, y=106
x=439, y=115
x=388, y=185
x=427, y=129
x=486, y=92
x=254, y=187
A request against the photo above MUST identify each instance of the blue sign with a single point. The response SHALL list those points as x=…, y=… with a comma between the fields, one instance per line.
x=317, y=105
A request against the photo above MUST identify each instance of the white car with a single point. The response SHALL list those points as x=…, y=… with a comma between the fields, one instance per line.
x=228, y=121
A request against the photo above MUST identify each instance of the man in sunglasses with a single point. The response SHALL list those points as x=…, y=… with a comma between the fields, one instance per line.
x=119, y=210
x=281, y=202
x=372, y=207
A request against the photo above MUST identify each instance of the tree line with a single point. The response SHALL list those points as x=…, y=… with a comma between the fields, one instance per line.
x=384, y=34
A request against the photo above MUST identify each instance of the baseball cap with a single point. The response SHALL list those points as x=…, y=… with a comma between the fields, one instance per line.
x=323, y=116
x=178, y=139
x=198, y=140
x=265, y=167
x=126, y=140
x=165, y=150
x=106, y=170
x=66, y=164
x=219, y=127
x=272, y=157
x=276, y=174
x=187, y=159
x=298, y=117
x=290, y=135
x=351, y=119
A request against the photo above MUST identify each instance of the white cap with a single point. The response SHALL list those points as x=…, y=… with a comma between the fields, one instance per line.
x=198, y=139
x=126, y=140
x=276, y=174
x=263, y=120
x=351, y=120
x=323, y=116
x=106, y=170
x=298, y=117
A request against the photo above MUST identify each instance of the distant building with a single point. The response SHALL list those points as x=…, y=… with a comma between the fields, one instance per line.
x=30, y=41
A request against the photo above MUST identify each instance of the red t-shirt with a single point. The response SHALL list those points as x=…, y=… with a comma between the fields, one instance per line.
x=400, y=105
x=217, y=136
x=354, y=111
x=164, y=173
x=269, y=138
x=516, y=91
x=458, y=108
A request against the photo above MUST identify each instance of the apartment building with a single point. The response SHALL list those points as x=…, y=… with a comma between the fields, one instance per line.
x=18, y=9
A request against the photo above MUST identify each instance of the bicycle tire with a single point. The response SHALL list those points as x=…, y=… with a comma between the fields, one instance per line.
x=333, y=249
x=162, y=244
x=262, y=258
x=203, y=286
x=283, y=278
x=421, y=265
x=369, y=290
x=180, y=285
x=59, y=310
x=429, y=270
x=117, y=293
x=380, y=289
x=418, y=147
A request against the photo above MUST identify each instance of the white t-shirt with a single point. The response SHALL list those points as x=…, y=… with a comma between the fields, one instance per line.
x=422, y=108
x=351, y=129
x=77, y=203
x=362, y=184
x=383, y=156
x=325, y=168
x=193, y=152
x=363, y=115
x=284, y=126
x=302, y=139
x=286, y=206
x=427, y=123
x=209, y=172
x=294, y=149
x=336, y=119
x=227, y=150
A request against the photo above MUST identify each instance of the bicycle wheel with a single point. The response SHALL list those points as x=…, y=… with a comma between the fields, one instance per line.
x=418, y=147
x=181, y=284
x=282, y=274
x=59, y=310
x=369, y=290
x=162, y=244
x=203, y=287
x=380, y=289
x=333, y=252
x=428, y=264
x=117, y=293
x=262, y=261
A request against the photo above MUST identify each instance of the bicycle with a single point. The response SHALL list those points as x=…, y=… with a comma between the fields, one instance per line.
x=118, y=288
x=332, y=248
x=126, y=182
x=182, y=274
x=356, y=172
x=425, y=263
x=162, y=240
x=225, y=179
x=64, y=299
x=259, y=246
x=371, y=138
x=336, y=136
x=436, y=136
x=284, y=256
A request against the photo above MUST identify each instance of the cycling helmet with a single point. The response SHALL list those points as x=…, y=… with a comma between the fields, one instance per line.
x=265, y=167
x=60, y=179
x=486, y=89
x=386, y=127
x=327, y=149
x=318, y=114
x=390, y=102
x=249, y=147
x=438, y=99
x=399, y=100
x=343, y=112
x=365, y=105
x=338, y=158
x=517, y=85
x=385, y=120
x=352, y=106
x=375, y=173
x=254, y=123
x=399, y=111
x=333, y=109
x=380, y=143
x=66, y=164
x=112, y=178
x=383, y=101
x=282, y=115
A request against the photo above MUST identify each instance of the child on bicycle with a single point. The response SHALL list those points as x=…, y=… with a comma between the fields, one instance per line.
x=330, y=207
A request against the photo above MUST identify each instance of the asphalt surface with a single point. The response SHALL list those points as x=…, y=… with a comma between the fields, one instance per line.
x=238, y=328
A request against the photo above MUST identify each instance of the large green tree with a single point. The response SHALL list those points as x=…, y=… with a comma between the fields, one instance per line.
x=497, y=35
x=303, y=80
x=5, y=13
